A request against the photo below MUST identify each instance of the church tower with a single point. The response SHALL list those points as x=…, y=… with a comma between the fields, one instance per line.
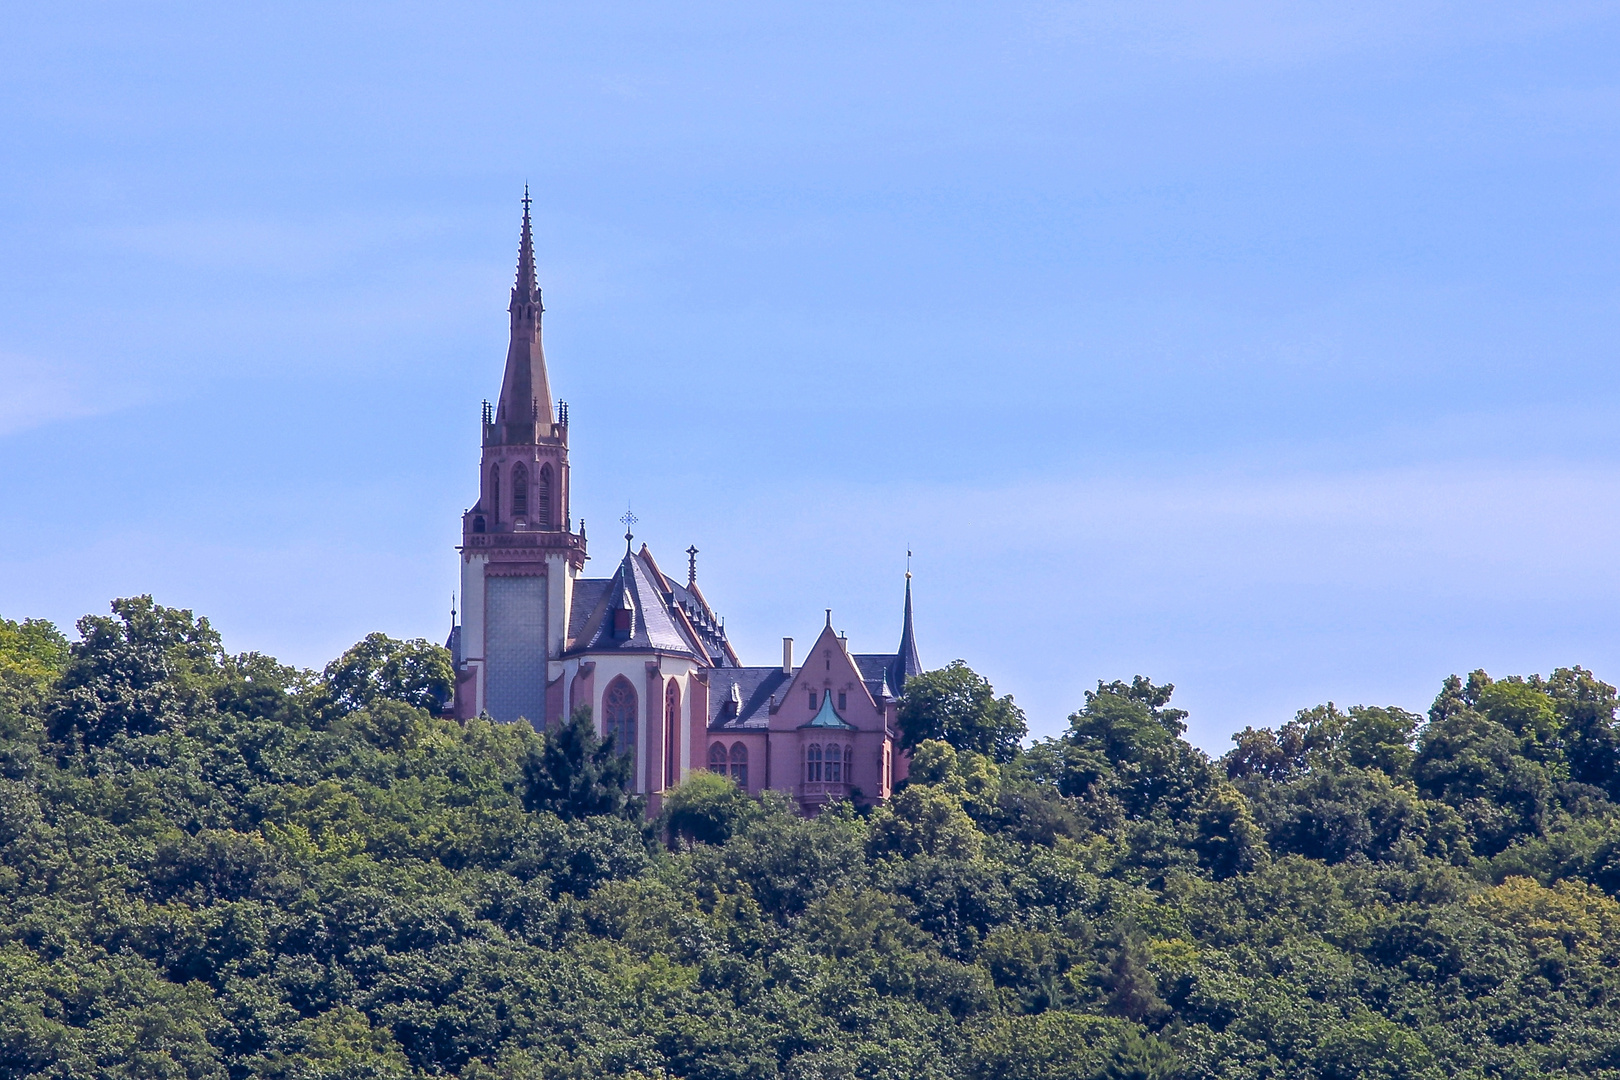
x=520, y=555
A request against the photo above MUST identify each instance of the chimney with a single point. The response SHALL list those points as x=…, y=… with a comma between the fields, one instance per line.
x=787, y=656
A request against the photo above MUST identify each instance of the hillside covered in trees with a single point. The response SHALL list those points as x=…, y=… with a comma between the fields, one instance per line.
x=213, y=865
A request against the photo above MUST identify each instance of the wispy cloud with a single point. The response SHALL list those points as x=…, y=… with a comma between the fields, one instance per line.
x=39, y=392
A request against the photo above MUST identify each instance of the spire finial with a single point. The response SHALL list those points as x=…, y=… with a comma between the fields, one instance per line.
x=691, y=566
x=629, y=519
x=528, y=283
x=908, y=566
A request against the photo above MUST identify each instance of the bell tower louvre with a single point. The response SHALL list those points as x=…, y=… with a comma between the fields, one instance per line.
x=519, y=553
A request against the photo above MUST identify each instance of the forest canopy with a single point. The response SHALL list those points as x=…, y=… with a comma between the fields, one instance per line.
x=217, y=865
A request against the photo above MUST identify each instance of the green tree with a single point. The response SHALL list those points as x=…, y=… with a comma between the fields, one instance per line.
x=136, y=673
x=573, y=774
x=378, y=668
x=956, y=705
x=705, y=809
x=1124, y=720
x=33, y=650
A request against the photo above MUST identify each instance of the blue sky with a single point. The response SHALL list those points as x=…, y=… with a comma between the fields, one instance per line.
x=1267, y=349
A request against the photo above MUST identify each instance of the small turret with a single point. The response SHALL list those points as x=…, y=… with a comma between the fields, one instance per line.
x=906, y=663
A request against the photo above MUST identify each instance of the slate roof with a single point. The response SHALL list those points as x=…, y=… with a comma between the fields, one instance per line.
x=874, y=669
x=588, y=594
x=906, y=661
x=707, y=624
x=651, y=625
x=740, y=697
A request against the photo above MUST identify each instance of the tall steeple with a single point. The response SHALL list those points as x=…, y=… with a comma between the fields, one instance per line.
x=906, y=663
x=524, y=412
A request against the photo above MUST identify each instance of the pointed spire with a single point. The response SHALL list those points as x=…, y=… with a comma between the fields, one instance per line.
x=523, y=414
x=906, y=663
x=527, y=287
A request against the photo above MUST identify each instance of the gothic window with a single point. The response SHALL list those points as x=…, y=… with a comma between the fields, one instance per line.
x=835, y=765
x=717, y=758
x=739, y=765
x=478, y=524
x=619, y=716
x=542, y=498
x=849, y=764
x=672, y=734
x=812, y=763
x=495, y=492
x=520, y=491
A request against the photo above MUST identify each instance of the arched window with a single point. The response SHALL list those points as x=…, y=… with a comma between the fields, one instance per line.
x=812, y=763
x=520, y=490
x=495, y=492
x=739, y=765
x=717, y=758
x=672, y=734
x=542, y=498
x=835, y=765
x=619, y=716
x=478, y=524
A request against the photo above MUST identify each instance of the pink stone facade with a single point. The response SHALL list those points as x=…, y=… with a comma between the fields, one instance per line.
x=644, y=652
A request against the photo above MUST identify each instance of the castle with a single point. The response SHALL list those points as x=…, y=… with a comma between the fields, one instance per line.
x=536, y=640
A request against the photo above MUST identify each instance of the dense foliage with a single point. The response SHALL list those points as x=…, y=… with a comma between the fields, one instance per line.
x=218, y=866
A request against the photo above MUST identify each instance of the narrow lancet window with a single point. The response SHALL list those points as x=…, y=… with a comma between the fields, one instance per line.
x=520, y=491
x=619, y=716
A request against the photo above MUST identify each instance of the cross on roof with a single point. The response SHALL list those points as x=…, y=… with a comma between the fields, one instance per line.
x=629, y=519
